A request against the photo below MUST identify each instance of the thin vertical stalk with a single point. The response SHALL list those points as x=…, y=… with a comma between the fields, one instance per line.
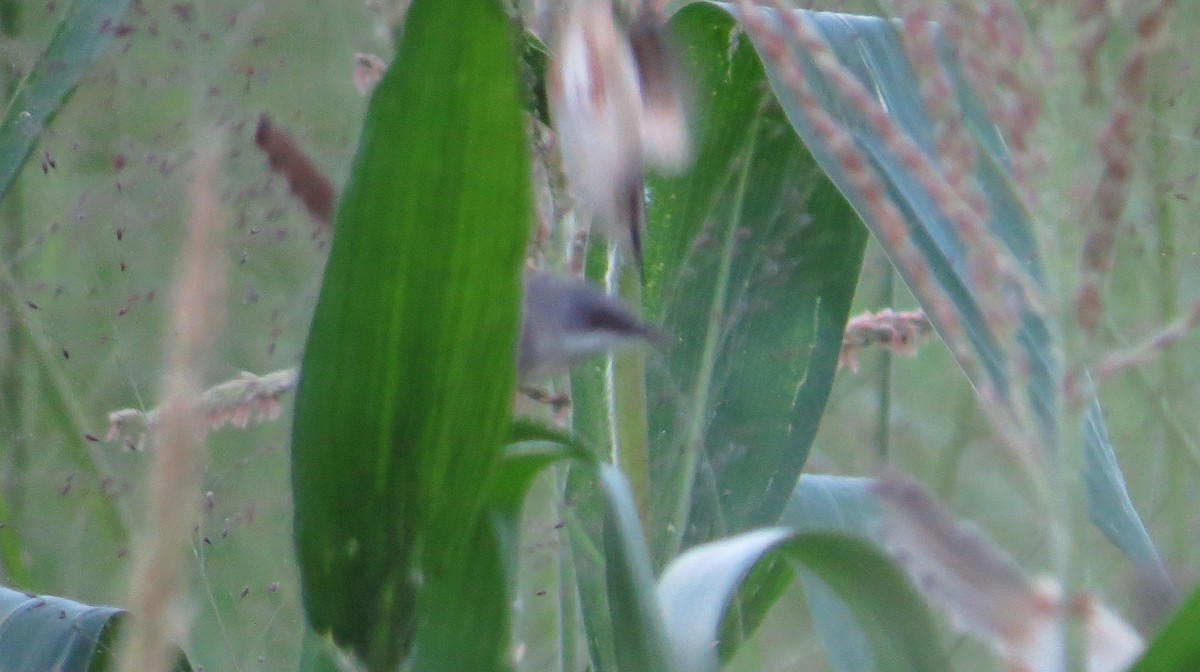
x=86, y=454
x=160, y=578
x=570, y=626
x=629, y=422
x=886, y=364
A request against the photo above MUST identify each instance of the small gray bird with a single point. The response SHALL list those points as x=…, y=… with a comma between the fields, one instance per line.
x=569, y=321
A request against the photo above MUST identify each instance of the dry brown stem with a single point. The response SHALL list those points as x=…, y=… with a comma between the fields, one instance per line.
x=160, y=579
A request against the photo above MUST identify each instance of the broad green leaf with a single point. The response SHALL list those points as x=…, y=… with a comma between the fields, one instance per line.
x=405, y=397
x=1177, y=646
x=41, y=633
x=464, y=614
x=760, y=590
x=752, y=259
x=697, y=589
x=85, y=31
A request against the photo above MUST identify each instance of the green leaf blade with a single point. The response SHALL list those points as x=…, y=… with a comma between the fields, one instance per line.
x=83, y=34
x=639, y=635
x=872, y=50
x=405, y=396
x=1110, y=507
x=752, y=260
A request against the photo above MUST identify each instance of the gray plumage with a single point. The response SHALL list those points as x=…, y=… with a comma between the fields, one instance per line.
x=569, y=321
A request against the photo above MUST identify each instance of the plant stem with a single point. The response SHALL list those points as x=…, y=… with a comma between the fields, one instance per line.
x=887, y=293
x=626, y=393
x=570, y=629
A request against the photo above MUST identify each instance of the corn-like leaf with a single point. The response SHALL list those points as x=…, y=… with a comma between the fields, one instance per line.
x=872, y=51
x=752, y=259
x=405, y=395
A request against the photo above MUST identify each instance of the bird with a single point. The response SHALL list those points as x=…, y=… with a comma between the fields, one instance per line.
x=617, y=104
x=567, y=321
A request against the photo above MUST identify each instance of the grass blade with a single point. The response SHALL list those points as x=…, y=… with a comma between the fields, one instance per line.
x=1109, y=506
x=85, y=31
x=639, y=634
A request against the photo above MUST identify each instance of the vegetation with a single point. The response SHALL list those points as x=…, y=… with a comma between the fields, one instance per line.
x=1023, y=171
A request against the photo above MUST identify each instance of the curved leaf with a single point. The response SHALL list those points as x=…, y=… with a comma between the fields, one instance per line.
x=836, y=504
x=622, y=616
x=405, y=395
x=833, y=504
x=41, y=633
x=697, y=589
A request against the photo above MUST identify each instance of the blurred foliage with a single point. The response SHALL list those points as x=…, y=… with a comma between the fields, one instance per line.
x=90, y=234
